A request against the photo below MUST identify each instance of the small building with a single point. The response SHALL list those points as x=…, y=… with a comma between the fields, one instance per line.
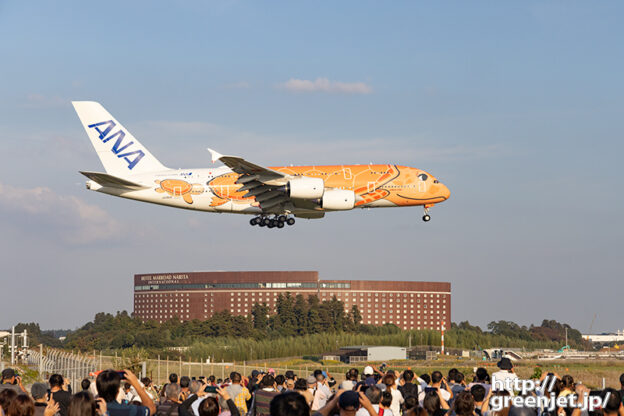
x=356, y=354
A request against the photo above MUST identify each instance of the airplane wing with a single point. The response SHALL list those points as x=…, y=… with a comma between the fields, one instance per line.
x=105, y=179
x=243, y=167
x=266, y=185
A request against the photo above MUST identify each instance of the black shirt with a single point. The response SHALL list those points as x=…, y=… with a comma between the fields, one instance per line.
x=63, y=398
x=409, y=390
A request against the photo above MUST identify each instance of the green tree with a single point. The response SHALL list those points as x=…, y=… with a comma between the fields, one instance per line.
x=301, y=314
x=260, y=315
x=315, y=320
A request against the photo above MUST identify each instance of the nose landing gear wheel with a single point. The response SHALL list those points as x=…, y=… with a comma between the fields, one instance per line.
x=426, y=217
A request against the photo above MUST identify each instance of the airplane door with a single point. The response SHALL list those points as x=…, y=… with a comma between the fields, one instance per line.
x=422, y=186
x=371, y=186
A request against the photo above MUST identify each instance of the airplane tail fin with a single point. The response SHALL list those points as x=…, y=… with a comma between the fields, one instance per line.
x=121, y=154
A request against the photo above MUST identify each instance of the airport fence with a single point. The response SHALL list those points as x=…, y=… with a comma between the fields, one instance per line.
x=49, y=361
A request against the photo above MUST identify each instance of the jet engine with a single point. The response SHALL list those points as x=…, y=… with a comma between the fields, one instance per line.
x=338, y=199
x=306, y=188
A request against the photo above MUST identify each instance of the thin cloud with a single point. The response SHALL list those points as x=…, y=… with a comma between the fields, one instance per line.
x=285, y=149
x=325, y=85
x=237, y=85
x=75, y=221
x=44, y=101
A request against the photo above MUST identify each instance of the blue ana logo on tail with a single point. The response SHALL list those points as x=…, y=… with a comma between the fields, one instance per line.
x=117, y=148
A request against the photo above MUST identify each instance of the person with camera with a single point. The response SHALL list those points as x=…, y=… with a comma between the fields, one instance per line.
x=439, y=386
x=108, y=383
x=170, y=403
x=11, y=380
x=59, y=392
x=83, y=404
x=347, y=403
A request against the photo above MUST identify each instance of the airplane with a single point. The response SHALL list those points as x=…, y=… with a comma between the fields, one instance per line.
x=273, y=195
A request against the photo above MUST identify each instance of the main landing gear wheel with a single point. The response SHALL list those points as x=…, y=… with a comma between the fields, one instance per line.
x=278, y=221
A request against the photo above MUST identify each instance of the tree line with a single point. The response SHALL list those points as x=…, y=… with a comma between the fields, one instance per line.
x=297, y=326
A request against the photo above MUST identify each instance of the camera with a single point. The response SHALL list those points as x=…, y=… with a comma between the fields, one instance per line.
x=210, y=389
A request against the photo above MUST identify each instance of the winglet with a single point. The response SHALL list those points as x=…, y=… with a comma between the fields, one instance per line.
x=215, y=155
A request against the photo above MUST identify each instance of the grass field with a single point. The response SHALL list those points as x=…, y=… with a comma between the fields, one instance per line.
x=588, y=372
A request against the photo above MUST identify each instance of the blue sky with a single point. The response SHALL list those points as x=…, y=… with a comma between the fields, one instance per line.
x=517, y=107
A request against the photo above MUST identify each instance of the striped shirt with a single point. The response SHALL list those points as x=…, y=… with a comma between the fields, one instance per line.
x=262, y=402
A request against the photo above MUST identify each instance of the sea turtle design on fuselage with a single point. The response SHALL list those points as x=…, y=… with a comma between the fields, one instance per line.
x=177, y=187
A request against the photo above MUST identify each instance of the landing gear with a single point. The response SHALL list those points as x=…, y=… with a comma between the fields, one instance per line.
x=278, y=221
x=426, y=217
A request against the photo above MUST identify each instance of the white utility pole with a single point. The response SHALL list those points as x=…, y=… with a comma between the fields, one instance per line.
x=13, y=346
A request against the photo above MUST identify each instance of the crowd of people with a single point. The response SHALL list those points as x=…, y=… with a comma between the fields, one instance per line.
x=373, y=392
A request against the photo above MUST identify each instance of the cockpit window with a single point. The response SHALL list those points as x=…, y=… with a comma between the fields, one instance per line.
x=436, y=181
x=423, y=177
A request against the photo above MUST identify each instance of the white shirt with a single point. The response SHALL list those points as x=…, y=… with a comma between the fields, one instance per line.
x=445, y=395
x=501, y=376
x=397, y=401
x=363, y=412
x=321, y=395
x=423, y=383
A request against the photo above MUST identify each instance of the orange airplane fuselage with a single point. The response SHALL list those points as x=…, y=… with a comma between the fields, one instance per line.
x=374, y=185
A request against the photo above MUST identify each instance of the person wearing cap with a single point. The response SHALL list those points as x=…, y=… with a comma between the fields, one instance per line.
x=368, y=375
x=253, y=381
x=39, y=393
x=10, y=380
x=322, y=393
x=311, y=389
x=499, y=378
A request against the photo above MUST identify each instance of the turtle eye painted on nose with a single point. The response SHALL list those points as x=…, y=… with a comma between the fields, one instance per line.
x=423, y=177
